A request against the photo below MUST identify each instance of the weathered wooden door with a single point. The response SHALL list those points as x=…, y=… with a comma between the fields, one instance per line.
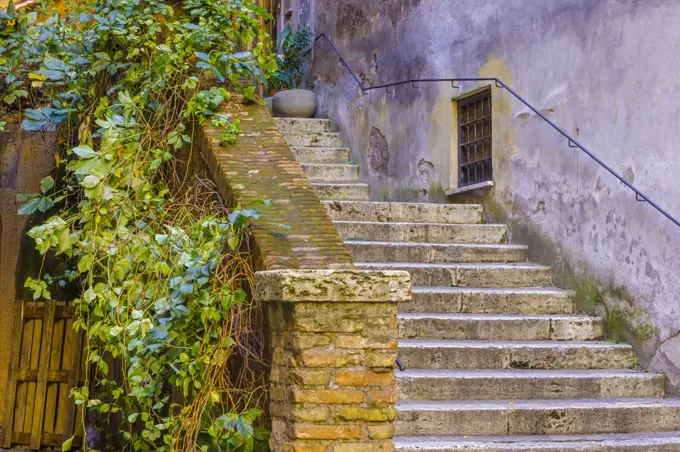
x=46, y=364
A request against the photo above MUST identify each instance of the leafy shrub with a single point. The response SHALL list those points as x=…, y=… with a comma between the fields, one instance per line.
x=291, y=61
x=159, y=265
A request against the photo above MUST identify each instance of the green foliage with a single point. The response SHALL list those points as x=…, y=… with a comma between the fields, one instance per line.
x=158, y=266
x=229, y=137
x=291, y=46
x=18, y=51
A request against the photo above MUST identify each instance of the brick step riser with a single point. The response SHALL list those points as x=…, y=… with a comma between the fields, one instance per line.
x=298, y=125
x=404, y=212
x=474, y=277
x=322, y=155
x=426, y=253
x=523, y=358
x=331, y=173
x=488, y=303
x=519, y=421
x=319, y=140
x=491, y=388
x=418, y=232
x=516, y=329
x=344, y=192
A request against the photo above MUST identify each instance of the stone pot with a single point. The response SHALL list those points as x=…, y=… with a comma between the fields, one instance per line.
x=268, y=101
x=294, y=103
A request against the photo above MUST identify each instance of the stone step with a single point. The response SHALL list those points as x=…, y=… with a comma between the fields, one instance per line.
x=404, y=212
x=536, y=300
x=448, y=354
x=488, y=275
x=500, y=327
x=611, y=442
x=537, y=417
x=331, y=172
x=348, y=191
x=451, y=384
x=321, y=155
x=303, y=125
x=366, y=251
x=422, y=232
x=322, y=140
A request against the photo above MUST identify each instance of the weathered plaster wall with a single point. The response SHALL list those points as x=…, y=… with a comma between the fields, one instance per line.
x=605, y=70
x=25, y=158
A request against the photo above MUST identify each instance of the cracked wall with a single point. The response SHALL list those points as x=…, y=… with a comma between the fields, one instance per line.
x=604, y=70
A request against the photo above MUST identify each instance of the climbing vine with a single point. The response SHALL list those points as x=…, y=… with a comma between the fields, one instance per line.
x=158, y=266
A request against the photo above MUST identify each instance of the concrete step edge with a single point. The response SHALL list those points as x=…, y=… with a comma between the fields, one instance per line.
x=546, y=442
x=492, y=290
x=438, y=244
x=432, y=343
x=494, y=317
x=473, y=374
x=534, y=404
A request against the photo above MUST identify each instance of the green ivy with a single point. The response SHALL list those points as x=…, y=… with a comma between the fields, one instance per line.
x=160, y=272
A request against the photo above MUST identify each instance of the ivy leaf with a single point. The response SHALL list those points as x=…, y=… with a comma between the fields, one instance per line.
x=115, y=331
x=240, y=218
x=66, y=445
x=85, y=263
x=46, y=184
x=93, y=167
x=202, y=56
x=90, y=181
x=30, y=207
x=84, y=152
x=64, y=239
x=45, y=204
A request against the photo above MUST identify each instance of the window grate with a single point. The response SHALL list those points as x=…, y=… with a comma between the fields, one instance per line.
x=474, y=139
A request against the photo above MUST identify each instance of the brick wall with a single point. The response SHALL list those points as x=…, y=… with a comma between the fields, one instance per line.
x=261, y=166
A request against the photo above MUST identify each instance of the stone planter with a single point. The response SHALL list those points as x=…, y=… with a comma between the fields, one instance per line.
x=294, y=103
x=268, y=102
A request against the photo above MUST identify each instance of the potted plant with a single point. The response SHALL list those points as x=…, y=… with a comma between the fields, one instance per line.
x=288, y=100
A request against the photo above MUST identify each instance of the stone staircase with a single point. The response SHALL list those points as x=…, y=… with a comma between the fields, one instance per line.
x=496, y=357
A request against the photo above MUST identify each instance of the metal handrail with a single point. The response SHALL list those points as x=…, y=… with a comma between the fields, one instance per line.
x=573, y=142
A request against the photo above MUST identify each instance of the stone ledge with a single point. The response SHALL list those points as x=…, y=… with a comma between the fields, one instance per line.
x=346, y=286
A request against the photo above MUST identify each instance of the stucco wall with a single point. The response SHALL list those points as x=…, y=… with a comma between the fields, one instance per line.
x=605, y=70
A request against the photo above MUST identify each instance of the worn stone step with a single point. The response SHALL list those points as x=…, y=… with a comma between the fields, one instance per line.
x=322, y=140
x=611, y=442
x=499, y=327
x=341, y=191
x=452, y=384
x=321, y=155
x=303, y=125
x=366, y=251
x=422, y=232
x=449, y=354
x=487, y=275
x=404, y=212
x=537, y=417
x=535, y=300
x=331, y=172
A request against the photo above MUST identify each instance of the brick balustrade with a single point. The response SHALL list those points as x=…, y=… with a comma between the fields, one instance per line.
x=334, y=345
x=261, y=166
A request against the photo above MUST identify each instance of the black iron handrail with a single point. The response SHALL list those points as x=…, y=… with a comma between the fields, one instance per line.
x=573, y=143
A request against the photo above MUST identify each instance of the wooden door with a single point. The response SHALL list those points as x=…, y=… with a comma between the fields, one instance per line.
x=46, y=364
